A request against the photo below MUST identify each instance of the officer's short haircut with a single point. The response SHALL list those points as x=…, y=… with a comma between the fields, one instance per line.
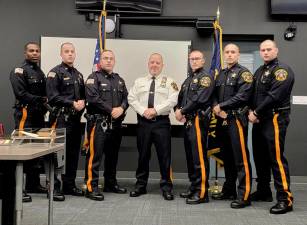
x=197, y=50
x=269, y=40
x=30, y=43
x=66, y=43
x=233, y=45
x=106, y=50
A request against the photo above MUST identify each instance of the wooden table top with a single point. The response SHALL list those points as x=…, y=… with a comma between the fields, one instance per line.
x=28, y=151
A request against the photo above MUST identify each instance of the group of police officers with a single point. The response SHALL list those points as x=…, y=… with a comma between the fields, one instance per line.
x=235, y=97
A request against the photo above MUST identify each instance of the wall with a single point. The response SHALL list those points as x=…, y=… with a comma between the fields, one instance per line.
x=22, y=21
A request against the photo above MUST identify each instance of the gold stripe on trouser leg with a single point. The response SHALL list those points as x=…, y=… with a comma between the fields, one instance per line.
x=23, y=119
x=245, y=163
x=90, y=162
x=278, y=158
x=201, y=159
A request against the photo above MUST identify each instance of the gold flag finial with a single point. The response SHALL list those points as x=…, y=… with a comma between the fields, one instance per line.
x=104, y=5
x=218, y=11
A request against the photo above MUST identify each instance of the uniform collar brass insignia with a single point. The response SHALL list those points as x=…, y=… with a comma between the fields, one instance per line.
x=195, y=81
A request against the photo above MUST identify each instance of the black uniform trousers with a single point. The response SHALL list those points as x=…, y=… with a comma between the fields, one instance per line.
x=107, y=143
x=7, y=191
x=27, y=118
x=268, y=150
x=157, y=132
x=233, y=138
x=73, y=146
x=195, y=143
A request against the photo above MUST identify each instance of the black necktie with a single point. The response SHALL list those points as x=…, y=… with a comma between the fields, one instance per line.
x=151, y=97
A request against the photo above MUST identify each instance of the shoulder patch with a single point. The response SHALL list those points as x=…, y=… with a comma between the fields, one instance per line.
x=90, y=81
x=247, y=77
x=51, y=74
x=205, y=82
x=19, y=70
x=174, y=86
x=281, y=74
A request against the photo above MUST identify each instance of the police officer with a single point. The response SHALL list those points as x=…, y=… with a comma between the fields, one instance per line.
x=29, y=86
x=153, y=97
x=270, y=117
x=106, y=94
x=193, y=108
x=66, y=94
x=233, y=88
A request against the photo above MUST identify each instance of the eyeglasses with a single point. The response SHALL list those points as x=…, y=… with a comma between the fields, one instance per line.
x=108, y=58
x=195, y=59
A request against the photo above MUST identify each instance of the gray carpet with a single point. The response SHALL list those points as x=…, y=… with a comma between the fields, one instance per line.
x=151, y=209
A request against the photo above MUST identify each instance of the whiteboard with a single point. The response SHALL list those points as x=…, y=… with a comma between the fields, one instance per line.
x=131, y=58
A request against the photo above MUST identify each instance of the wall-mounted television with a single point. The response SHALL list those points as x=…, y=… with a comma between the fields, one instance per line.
x=121, y=6
x=289, y=7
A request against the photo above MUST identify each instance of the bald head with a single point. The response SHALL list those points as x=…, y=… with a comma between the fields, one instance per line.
x=268, y=51
x=231, y=54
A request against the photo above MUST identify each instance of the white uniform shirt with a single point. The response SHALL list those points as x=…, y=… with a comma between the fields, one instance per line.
x=166, y=94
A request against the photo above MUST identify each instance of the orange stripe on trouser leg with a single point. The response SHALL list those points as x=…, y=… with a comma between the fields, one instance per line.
x=54, y=124
x=245, y=163
x=90, y=162
x=171, y=173
x=23, y=119
x=278, y=158
x=201, y=159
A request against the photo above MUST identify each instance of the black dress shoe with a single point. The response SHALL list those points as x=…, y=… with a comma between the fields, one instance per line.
x=58, y=196
x=195, y=199
x=138, y=192
x=115, y=189
x=240, y=203
x=258, y=196
x=224, y=196
x=37, y=189
x=95, y=195
x=186, y=194
x=167, y=195
x=281, y=208
x=26, y=197
x=73, y=191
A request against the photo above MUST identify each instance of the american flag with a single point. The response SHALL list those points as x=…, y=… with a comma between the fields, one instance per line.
x=216, y=66
x=101, y=40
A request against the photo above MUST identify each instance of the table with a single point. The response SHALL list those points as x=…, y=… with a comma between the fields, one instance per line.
x=28, y=151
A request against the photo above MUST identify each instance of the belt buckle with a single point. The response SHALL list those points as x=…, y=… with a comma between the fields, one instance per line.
x=154, y=119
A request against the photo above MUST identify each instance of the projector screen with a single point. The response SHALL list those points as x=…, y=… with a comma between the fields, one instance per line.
x=131, y=59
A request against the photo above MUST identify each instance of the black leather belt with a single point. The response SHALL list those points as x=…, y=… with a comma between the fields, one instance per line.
x=157, y=118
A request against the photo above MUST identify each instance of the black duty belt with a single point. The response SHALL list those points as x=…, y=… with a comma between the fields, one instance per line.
x=157, y=118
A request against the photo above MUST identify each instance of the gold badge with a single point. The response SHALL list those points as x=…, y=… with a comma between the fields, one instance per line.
x=19, y=70
x=233, y=75
x=90, y=81
x=51, y=74
x=281, y=74
x=174, y=85
x=163, y=82
x=205, y=82
x=247, y=77
x=195, y=81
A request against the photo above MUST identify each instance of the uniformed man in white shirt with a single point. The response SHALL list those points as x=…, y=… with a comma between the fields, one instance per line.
x=153, y=97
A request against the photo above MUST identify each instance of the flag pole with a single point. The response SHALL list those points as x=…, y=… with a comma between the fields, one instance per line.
x=216, y=189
